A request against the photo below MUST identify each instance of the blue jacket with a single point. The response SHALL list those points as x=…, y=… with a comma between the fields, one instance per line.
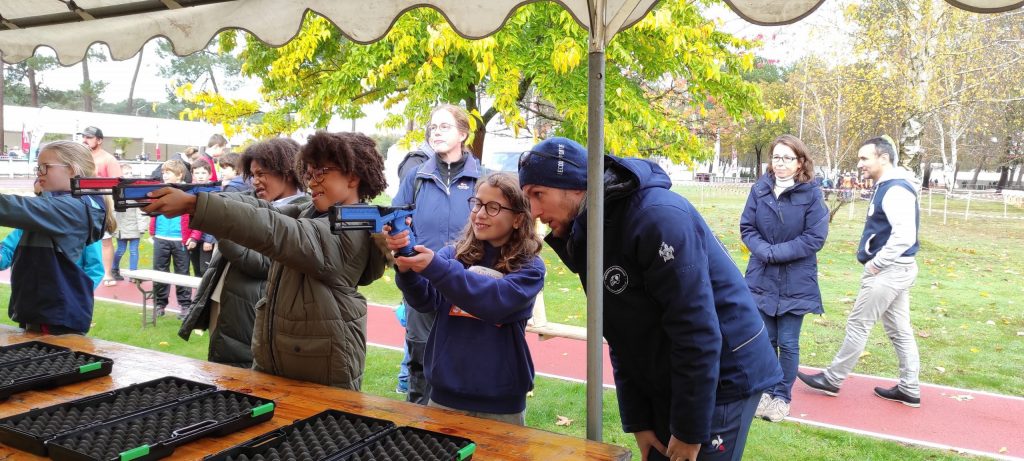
x=441, y=212
x=479, y=362
x=47, y=286
x=682, y=328
x=91, y=261
x=784, y=236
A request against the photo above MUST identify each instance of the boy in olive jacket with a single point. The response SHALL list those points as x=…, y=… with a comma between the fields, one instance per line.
x=311, y=324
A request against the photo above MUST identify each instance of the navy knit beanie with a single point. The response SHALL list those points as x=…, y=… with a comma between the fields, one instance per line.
x=560, y=163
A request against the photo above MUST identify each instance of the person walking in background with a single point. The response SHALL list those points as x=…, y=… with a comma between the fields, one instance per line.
x=689, y=352
x=887, y=249
x=482, y=291
x=784, y=224
x=107, y=166
x=440, y=188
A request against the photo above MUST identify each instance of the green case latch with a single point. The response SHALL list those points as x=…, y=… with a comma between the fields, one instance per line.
x=135, y=453
x=467, y=451
x=90, y=367
x=263, y=409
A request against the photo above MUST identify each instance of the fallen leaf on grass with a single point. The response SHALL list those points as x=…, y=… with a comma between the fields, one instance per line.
x=563, y=290
x=199, y=332
x=990, y=322
x=924, y=334
x=529, y=394
x=164, y=344
x=975, y=350
x=563, y=421
x=1020, y=333
x=864, y=354
x=940, y=369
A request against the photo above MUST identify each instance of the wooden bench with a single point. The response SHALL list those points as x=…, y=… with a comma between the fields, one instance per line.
x=546, y=330
x=150, y=275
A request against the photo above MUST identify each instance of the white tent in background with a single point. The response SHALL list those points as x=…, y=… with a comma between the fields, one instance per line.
x=69, y=28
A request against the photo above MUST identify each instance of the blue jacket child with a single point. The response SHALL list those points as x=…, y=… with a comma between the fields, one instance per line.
x=48, y=288
x=91, y=261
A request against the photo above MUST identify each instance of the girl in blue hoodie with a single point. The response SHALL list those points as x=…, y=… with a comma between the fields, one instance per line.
x=50, y=293
x=482, y=289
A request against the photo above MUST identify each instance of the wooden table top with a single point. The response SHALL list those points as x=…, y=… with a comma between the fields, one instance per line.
x=294, y=400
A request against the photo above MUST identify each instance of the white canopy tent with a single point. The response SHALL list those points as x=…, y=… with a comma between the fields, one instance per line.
x=69, y=27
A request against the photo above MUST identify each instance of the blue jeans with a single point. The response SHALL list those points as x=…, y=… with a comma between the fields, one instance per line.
x=784, y=333
x=132, y=246
x=403, y=369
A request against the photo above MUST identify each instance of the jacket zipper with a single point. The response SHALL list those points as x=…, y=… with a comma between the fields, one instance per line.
x=741, y=346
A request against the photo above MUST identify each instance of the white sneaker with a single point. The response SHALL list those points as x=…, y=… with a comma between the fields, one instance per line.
x=762, y=406
x=777, y=410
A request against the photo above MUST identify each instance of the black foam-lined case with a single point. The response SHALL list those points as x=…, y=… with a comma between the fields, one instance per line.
x=47, y=371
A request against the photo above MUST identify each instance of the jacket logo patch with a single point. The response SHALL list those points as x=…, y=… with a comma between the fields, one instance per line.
x=666, y=252
x=463, y=185
x=615, y=279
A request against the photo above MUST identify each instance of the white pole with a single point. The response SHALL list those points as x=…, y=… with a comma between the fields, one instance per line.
x=1004, y=205
x=929, y=202
x=945, y=206
x=967, y=211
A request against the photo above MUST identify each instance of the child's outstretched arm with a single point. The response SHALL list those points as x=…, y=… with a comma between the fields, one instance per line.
x=7, y=248
x=50, y=215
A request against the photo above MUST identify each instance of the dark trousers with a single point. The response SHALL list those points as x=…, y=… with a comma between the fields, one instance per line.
x=417, y=330
x=164, y=253
x=730, y=424
x=200, y=259
x=784, y=333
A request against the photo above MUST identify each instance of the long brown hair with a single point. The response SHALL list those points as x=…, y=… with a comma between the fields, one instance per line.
x=806, y=171
x=522, y=245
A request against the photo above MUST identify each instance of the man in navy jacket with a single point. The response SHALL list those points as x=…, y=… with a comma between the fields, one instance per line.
x=689, y=350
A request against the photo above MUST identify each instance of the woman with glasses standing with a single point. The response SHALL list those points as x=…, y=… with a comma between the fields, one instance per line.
x=439, y=188
x=50, y=293
x=784, y=224
x=481, y=290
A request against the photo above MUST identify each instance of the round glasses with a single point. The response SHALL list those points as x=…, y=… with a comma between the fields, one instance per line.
x=492, y=208
x=43, y=167
x=783, y=158
x=316, y=175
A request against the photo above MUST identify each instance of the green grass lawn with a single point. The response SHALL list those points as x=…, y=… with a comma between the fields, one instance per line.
x=966, y=308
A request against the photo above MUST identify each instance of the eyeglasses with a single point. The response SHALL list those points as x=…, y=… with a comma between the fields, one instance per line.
x=316, y=175
x=442, y=128
x=492, y=208
x=262, y=175
x=42, y=167
x=524, y=158
x=783, y=159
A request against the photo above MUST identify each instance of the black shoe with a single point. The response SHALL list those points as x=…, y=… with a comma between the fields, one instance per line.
x=896, y=395
x=818, y=382
x=159, y=311
x=118, y=277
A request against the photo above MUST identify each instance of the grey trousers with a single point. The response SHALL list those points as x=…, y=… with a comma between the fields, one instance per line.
x=884, y=296
x=518, y=419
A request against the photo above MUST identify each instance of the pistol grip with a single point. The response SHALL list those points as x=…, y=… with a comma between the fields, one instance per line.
x=397, y=227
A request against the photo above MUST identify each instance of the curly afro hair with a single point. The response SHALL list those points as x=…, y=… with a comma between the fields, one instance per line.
x=279, y=156
x=355, y=153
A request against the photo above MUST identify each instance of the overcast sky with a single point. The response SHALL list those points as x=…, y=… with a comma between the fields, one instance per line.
x=783, y=43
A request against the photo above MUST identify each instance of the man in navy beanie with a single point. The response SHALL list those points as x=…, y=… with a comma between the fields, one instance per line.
x=688, y=348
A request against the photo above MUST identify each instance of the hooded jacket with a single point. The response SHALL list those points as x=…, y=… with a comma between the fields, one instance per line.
x=442, y=211
x=480, y=361
x=784, y=236
x=244, y=284
x=47, y=285
x=311, y=322
x=682, y=329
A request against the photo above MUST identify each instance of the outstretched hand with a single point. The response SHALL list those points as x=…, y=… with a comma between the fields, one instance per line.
x=170, y=202
x=418, y=262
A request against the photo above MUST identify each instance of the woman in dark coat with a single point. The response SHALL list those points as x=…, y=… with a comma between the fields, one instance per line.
x=784, y=224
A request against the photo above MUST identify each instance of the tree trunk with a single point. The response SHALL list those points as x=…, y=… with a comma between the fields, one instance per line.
x=981, y=165
x=1020, y=175
x=954, y=153
x=213, y=81
x=910, y=142
x=135, y=77
x=33, y=86
x=86, y=85
x=1004, y=173
x=480, y=131
x=757, y=153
